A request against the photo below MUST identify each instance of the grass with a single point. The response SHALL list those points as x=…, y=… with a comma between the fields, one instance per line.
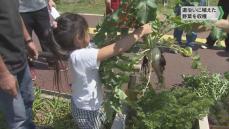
x=98, y=6
x=52, y=112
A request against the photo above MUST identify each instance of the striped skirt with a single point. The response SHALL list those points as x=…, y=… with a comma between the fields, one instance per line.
x=86, y=119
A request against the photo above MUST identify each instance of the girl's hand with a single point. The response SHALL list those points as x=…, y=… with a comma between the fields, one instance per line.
x=147, y=29
x=143, y=30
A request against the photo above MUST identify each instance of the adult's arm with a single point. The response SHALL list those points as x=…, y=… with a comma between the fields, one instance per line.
x=109, y=10
x=8, y=82
x=223, y=24
x=33, y=53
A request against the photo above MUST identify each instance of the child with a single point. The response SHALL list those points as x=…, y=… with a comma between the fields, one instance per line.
x=71, y=39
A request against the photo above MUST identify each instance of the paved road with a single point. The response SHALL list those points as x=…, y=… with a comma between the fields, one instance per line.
x=216, y=60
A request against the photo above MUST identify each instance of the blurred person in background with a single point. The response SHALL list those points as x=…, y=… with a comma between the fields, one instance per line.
x=111, y=6
x=210, y=39
x=178, y=32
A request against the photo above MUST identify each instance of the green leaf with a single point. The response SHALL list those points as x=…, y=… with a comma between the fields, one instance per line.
x=120, y=94
x=146, y=11
x=226, y=75
x=114, y=17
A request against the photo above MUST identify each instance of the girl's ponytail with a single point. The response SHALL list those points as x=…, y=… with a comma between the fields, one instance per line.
x=59, y=57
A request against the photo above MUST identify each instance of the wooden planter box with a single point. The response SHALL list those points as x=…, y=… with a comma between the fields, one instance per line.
x=203, y=124
x=218, y=127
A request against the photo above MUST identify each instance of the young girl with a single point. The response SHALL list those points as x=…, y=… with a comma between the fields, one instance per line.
x=70, y=39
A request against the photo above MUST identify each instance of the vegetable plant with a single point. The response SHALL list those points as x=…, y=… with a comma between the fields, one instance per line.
x=115, y=71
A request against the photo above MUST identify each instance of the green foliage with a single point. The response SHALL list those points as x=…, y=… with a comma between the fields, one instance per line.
x=130, y=14
x=53, y=112
x=226, y=75
x=179, y=107
x=208, y=85
x=145, y=10
x=219, y=113
x=175, y=109
x=217, y=33
x=115, y=71
x=114, y=74
x=196, y=64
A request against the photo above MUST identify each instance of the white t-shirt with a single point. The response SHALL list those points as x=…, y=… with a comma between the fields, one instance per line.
x=87, y=92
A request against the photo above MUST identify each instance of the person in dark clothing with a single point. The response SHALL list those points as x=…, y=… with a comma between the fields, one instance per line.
x=210, y=40
x=16, y=92
x=35, y=14
x=178, y=32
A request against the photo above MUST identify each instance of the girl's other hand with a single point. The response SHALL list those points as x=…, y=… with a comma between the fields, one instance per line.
x=143, y=30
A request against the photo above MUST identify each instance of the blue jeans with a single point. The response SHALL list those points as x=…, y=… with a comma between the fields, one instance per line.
x=18, y=110
x=190, y=37
x=203, y=3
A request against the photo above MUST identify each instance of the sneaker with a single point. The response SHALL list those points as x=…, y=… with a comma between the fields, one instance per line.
x=191, y=44
x=206, y=46
x=33, y=73
x=203, y=46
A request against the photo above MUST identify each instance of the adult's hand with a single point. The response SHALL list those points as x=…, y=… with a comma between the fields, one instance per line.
x=51, y=4
x=8, y=83
x=223, y=24
x=32, y=50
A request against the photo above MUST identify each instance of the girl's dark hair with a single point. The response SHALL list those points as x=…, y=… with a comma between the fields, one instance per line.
x=61, y=40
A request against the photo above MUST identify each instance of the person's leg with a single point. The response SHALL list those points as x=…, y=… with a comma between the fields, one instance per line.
x=42, y=27
x=18, y=110
x=178, y=35
x=190, y=38
x=210, y=41
x=227, y=43
x=29, y=22
x=226, y=14
x=14, y=110
x=26, y=89
x=203, y=3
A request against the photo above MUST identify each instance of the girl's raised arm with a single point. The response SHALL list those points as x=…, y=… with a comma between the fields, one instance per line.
x=124, y=44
